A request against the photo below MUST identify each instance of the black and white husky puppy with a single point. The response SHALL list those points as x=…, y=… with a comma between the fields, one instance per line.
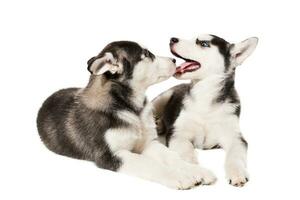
x=110, y=121
x=205, y=113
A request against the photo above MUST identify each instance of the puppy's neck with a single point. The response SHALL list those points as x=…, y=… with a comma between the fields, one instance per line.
x=214, y=88
x=102, y=93
x=226, y=88
x=138, y=94
x=96, y=94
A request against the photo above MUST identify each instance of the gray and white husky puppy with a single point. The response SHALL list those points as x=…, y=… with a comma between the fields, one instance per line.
x=205, y=113
x=110, y=121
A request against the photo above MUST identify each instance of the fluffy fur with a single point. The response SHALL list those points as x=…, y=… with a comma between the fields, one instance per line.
x=110, y=121
x=205, y=113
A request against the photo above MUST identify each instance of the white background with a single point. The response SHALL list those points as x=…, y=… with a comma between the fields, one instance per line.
x=44, y=46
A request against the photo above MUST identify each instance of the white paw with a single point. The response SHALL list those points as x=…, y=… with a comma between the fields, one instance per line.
x=208, y=178
x=200, y=175
x=187, y=182
x=180, y=181
x=237, y=177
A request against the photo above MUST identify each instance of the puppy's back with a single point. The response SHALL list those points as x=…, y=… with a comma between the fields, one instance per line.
x=51, y=121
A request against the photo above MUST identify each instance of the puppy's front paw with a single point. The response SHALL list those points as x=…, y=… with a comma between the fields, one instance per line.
x=208, y=177
x=181, y=181
x=202, y=175
x=237, y=177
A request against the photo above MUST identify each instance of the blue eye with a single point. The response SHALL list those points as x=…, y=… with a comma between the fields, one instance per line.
x=202, y=43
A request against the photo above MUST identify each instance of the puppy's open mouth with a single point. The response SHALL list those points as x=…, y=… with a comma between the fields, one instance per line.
x=188, y=66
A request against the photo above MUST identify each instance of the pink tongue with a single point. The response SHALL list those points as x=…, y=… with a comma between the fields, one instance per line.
x=183, y=66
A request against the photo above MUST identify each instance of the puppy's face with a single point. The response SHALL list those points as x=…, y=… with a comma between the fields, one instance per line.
x=127, y=61
x=209, y=55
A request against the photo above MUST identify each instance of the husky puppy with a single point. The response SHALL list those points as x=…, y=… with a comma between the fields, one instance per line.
x=110, y=121
x=205, y=113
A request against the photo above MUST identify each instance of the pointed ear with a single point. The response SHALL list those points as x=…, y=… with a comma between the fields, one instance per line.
x=240, y=51
x=106, y=63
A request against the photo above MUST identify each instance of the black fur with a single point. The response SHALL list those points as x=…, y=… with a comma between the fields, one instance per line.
x=121, y=94
x=90, y=125
x=224, y=49
x=127, y=52
x=244, y=142
x=55, y=110
x=229, y=94
x=228, y=91
x=238, y=110
x=172, y=110
x=217, y=146
x=68, y=127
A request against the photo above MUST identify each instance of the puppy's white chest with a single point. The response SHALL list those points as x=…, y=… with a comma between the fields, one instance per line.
x=201, y=122
x=194, y=124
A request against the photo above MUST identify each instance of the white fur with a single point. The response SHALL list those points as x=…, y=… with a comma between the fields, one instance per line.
x=243, y=50
x=203, y=123
x=141, y=154
x=144, y=157
x=210, y=64
x=148, y=72
x=108, y=63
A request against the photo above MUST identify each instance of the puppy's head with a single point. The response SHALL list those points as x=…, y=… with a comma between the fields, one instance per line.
x=208, y=55
x=127, y=61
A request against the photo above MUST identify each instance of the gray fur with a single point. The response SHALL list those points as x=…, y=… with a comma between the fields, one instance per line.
x=72, y=122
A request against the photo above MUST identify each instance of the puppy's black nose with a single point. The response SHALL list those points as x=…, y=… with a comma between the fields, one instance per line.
x=173, y=60
x=174, y=40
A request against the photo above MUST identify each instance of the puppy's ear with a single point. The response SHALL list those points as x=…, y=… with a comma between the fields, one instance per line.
x=242, y=50
x=90, y=61
x=106, y=63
